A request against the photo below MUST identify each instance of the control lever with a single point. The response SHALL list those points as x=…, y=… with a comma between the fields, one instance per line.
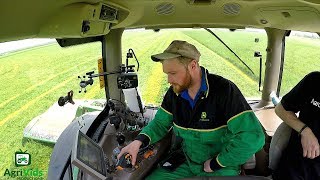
x=121, y=139
x=124, y=162
x=115, y=120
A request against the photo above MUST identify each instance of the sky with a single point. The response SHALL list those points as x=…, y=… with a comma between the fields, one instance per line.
x=22, y=44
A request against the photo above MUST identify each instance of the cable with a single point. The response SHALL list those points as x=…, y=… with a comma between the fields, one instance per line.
x=229, y=49
x=135, y=58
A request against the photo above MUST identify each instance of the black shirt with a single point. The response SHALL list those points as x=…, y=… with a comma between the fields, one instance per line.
x=305, y=99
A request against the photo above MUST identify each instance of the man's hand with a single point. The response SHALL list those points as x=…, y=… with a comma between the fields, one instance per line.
x=132, y=149
x=309, y=144
x=206, y=166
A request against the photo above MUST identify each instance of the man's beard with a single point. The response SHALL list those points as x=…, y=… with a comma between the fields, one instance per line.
x=178, y=88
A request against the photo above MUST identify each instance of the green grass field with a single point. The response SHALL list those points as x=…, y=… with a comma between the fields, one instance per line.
x=33, y=79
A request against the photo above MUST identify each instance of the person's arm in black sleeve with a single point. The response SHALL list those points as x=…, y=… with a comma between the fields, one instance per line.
x=292, y=103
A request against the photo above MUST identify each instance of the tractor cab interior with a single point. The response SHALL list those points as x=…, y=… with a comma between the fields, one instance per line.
x=88, y=151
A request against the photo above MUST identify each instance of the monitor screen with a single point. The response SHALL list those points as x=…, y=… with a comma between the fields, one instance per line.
x=90, y=154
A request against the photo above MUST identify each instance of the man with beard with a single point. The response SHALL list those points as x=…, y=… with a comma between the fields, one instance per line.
x=219, y=131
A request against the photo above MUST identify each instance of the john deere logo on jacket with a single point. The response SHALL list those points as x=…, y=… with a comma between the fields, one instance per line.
x=204, y=116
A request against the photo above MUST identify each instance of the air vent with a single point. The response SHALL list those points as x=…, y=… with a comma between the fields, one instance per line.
x=200, y=2
x=165, y=8
x=231, y=9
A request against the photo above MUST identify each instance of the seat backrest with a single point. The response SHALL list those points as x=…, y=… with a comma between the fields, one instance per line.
x=250, y=164
x=279, y=142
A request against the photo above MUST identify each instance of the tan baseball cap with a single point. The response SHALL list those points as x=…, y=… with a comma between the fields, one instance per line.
x=176, y=49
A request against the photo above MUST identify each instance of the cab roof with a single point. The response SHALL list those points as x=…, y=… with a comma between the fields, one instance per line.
x=21, y=19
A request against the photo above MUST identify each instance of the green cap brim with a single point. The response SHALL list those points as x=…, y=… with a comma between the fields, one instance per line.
x=164, y=56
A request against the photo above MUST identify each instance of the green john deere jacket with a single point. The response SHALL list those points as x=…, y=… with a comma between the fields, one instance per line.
x=221, y=125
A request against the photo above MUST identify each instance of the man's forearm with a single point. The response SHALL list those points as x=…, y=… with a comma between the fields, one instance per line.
x=289, y=117
x=157, y=128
